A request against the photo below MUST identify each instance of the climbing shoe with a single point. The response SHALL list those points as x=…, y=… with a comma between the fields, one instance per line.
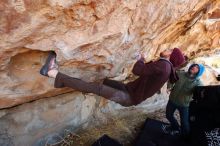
x=49, y=64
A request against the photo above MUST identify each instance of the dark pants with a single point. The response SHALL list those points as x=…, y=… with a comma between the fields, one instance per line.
x=184, y=117
x=110, y=89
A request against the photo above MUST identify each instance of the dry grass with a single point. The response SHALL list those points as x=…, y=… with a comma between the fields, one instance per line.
x=124, y=129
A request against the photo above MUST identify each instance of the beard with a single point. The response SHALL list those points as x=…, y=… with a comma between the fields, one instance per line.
x=191, y=75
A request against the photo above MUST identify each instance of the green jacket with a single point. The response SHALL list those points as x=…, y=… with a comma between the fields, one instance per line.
x=182, y=91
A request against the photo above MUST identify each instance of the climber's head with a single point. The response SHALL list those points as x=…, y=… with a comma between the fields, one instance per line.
x=166, y=53
x=175, y=56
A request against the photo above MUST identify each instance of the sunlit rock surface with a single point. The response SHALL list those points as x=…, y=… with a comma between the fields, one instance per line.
x=93, y=39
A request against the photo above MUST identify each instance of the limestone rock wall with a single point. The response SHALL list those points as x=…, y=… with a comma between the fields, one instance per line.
x=93, y=39
x=47, y=121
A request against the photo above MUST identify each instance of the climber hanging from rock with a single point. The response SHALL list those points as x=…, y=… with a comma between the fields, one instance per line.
x=152, y=76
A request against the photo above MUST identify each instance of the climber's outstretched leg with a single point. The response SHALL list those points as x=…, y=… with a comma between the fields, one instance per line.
x=62, y=80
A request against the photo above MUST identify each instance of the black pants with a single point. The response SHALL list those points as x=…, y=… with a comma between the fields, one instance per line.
x=110, y=89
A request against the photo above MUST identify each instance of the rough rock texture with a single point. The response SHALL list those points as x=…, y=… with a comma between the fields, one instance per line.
x=49, y=120
x=93, y=39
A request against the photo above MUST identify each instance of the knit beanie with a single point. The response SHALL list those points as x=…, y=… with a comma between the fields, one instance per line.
x=201, y=69
x=177, y=58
